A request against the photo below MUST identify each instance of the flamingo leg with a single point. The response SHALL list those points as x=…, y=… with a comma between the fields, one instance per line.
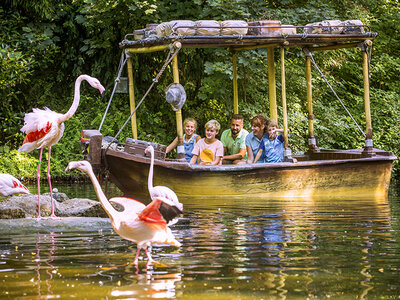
x=51, y=190
x=151, y=260
x=137, y=256
x=38, y=181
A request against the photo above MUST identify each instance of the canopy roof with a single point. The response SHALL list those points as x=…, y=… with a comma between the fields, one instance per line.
x=320, y=41
x=234, y=42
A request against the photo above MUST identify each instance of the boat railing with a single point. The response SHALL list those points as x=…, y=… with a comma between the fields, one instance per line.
x=95, y=147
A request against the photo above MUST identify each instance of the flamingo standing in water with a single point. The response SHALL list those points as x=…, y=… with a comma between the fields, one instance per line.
x=9, y=185
x=143, y=225
x=159, y=191
x=44, y=128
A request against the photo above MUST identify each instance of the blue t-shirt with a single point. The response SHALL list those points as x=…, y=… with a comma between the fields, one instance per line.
x=254, y=143
x=273, y=150
x=189, y=145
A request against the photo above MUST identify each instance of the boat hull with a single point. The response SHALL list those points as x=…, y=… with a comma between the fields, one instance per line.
x=319, y=179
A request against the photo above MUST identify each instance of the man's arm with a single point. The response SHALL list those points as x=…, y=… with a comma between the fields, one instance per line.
x=240, y=155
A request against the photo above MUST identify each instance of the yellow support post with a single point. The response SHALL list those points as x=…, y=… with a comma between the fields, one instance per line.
x=132, y=98
x=287, y=152
x=179, y=125
x=368, y=138
x=235, y=85
x=284, y=107
x=311, y=138
x=273, y=110
x=366, y=96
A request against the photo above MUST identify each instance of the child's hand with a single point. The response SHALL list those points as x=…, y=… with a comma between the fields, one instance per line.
x=272, y=135
x=271, y=130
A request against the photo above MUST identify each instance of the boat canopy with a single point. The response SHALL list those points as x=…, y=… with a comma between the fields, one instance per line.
x=260, y=34
x=240, y=35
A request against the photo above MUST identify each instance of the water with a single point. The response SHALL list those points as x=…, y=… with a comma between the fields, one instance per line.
x=243, y=249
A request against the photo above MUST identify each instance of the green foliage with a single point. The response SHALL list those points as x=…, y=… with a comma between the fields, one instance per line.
x=17, y=164
x=47, y=44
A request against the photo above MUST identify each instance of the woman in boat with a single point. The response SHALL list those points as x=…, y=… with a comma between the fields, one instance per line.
x=190, y=138
x=209, y=150
x=253, y=139
x=272, y=146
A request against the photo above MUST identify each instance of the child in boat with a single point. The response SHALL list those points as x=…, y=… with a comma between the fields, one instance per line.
x=272, y=147
x=190, y=138
x=209, y=150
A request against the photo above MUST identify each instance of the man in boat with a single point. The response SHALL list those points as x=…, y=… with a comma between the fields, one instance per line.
x=234, y=142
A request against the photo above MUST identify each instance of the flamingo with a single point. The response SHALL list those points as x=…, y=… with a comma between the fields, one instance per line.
x=159, y=191
x=9, y=185
x=143, y=225
x=44, y=128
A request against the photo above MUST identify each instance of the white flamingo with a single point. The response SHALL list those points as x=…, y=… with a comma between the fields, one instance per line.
x=44, y=128
x=143, y=225
x=9, y=185
x=159, y=191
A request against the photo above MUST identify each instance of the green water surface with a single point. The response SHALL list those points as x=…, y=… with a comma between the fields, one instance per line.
x=238, y=249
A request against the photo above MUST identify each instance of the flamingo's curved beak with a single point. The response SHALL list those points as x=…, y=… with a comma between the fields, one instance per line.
x=102, y=90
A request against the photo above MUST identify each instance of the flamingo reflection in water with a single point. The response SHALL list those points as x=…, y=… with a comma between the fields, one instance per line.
x=143, y=225
x=50, y=270
x=160, y=286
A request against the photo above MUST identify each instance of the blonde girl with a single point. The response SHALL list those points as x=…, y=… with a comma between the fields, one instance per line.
x=190, y=138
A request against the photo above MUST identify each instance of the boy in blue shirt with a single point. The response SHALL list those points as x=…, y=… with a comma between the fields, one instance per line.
x=273, y=146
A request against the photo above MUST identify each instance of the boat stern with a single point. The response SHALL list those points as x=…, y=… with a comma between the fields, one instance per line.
x=91, y=141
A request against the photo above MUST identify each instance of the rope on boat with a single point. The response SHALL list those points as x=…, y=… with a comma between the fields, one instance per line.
x=307, y=52
x=117, y=80
x=172, y=53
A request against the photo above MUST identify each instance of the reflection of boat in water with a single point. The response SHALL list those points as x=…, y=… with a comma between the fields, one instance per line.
x=317, y=174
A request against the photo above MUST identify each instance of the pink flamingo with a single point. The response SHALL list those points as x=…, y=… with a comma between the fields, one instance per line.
x=9, y=185
x=143, y=225
x=44, y=128
x=159, y=191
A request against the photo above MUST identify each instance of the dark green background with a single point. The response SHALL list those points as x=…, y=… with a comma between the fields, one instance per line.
x=46, y=44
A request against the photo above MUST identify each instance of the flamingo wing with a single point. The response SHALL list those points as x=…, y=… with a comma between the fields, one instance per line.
x=160, y=211
x=42, y=129
x=131, y=206
x=157, y=216
x=165, y=192
x=10, y=185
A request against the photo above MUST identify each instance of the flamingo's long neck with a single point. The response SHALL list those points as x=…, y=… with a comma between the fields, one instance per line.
x=103, y=199
x=77, y=96
x=150, y=178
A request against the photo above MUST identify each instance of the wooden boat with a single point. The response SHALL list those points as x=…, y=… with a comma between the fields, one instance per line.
x=317, y=174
